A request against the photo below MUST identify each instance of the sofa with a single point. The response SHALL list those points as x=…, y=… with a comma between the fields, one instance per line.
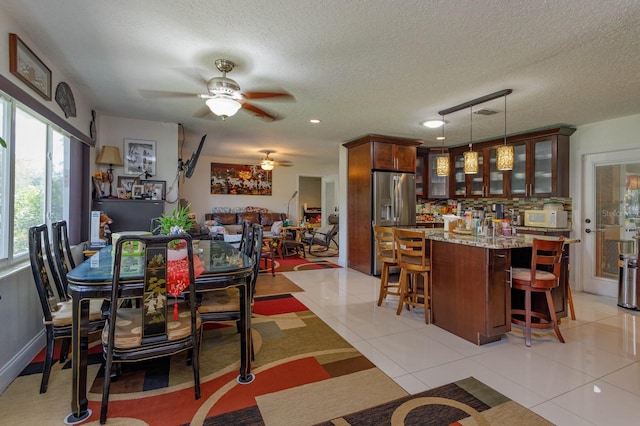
x=232, y=222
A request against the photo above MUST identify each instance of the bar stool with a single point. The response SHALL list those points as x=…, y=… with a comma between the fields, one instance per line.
x=548, y=255
x=414, y=259
x=386, y=253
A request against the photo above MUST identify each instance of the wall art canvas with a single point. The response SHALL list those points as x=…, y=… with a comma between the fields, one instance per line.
x=236, y=179
x=140, y=157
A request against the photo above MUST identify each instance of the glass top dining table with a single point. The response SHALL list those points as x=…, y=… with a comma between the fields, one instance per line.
x=224, y=266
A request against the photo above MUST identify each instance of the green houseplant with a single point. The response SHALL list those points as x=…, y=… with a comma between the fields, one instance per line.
x=178, y=222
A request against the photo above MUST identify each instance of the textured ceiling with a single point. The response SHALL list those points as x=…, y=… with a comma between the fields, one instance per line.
x=361, y=67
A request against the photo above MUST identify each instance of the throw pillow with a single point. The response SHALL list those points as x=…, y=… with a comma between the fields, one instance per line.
x=276, y=227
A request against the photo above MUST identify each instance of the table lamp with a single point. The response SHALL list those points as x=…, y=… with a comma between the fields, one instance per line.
x=110, y=155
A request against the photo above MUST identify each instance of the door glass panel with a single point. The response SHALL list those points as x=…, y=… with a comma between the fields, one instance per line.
x=477, y=183
x=419, y=176
x=519, y=172
x=460, y=187
x=617, y=215
x=438, y=185
x=542, y=177
x=495, y=175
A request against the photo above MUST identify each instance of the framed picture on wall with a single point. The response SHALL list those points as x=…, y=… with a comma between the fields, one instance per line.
x=139, y=157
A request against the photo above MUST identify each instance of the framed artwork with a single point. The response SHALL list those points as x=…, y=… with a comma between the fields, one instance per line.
x=155, y=188
x=122, y=193
x=139, y=157
x=236, y=179
x=126, y=183
x=137, y=191
x=25, y=65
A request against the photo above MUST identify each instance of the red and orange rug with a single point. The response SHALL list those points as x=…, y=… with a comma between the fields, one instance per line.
x=296, y=263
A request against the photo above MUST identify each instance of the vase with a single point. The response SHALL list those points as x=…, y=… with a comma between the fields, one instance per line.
x=173, y=255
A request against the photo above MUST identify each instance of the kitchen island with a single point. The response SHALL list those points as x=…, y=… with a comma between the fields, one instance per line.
x=471, y=292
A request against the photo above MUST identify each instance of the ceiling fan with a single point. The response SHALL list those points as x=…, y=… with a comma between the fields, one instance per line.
x=268, y=163
x=224, y=97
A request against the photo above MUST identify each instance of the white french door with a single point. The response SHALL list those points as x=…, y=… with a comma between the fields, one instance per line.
x=611, y=213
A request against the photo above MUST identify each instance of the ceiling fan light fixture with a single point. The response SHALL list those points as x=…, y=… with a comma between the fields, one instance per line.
x=267, y=164
x=223, y=106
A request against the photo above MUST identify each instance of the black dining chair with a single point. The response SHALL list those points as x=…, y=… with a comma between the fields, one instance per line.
x=62, y=252
x=150, y=330
x=56, y=306
x=224, y=305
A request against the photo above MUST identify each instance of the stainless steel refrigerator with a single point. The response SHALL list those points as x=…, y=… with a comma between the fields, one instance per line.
x=394, y=204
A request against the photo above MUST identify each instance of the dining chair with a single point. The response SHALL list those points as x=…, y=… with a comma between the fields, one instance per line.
x=386, y=253
x=542, y=277
x=224, y=305
x=62, y=252
x=414, y=260
x=245, y=240
x=56, y=306
x=150, y=329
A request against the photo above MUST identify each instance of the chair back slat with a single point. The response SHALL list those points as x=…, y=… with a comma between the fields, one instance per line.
x=247, y=237
x=413, y=249
x=39, y=250
x=546, y=254
x=385, y=243
x=62, y=253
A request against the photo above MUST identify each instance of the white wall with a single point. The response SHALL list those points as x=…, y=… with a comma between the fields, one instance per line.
x=114, y=130
x=604, y=136
x=83, y=108
x=196, y=190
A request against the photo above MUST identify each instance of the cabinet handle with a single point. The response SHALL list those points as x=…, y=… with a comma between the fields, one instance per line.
x=500, y=255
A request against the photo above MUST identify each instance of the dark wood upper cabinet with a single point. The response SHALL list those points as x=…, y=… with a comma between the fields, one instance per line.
x=393, y=157
x=541, y=167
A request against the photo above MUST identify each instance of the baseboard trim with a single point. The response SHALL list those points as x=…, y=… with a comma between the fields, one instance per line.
x=12, y=369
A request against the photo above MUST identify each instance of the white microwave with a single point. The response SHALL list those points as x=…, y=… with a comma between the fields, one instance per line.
x=546, y=218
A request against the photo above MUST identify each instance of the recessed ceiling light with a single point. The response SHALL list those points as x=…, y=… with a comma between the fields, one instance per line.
x=432, y=124
x=314, y=121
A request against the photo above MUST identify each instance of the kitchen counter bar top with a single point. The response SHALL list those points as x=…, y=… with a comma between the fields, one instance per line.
x=516, y=241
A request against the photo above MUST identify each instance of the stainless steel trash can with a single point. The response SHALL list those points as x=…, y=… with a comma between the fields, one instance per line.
x=628, y=264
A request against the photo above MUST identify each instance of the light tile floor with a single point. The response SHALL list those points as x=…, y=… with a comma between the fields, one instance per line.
x=592, y=379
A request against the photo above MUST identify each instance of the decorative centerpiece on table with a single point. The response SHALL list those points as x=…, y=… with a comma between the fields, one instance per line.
x=178, y=222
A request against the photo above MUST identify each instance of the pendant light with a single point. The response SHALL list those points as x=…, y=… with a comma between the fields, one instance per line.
x=471, y=156
x=505, y=154
x=442, y=161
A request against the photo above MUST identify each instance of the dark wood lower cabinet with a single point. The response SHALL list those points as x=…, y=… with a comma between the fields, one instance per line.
x=470, y=294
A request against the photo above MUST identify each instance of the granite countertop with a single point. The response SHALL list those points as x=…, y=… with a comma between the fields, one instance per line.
x=536, y=228
x=517, y=241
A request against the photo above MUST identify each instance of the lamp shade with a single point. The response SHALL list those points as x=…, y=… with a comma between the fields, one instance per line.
x=504, y=157
x=470, y=162
x=110, y=155
x=223, y=106
x=267, y=164
x=442, y=165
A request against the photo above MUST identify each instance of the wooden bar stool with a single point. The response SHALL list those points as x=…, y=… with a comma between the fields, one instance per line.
x=414, y=259
x=386, y=253
x=548, y=255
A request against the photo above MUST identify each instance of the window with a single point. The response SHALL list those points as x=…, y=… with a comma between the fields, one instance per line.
x=34, y=185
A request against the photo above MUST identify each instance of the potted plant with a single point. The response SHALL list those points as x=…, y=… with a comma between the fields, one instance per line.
x=178, y=222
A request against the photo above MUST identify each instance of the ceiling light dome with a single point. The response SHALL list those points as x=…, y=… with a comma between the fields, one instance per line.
x=267, y=164
x=223, y=106
x=433, y=124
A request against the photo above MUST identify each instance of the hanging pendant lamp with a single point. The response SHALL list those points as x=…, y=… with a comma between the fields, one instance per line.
x=442, y=162
x=505, y=154
x=471, y=156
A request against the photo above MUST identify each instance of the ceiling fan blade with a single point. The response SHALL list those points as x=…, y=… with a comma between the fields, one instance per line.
x=259, y=112
x=159, y=94
x=264, y=95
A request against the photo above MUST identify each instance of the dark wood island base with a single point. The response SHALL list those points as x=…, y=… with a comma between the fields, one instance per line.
x=471, y=296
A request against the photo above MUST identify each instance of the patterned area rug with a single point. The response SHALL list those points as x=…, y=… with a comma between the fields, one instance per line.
x=306, y=374
x=295, y=263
